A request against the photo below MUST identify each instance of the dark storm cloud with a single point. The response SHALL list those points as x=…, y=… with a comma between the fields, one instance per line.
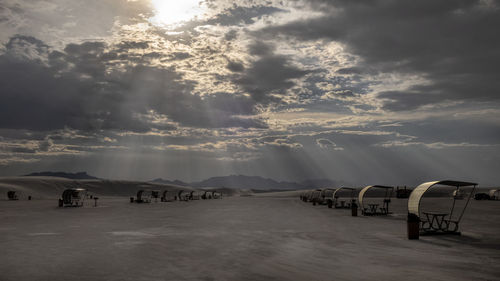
x=242, y=15
x=269, y=73
x=235, y=66
x=453, y=130
x=192, y=102
x=79, y=88
x=231, y=35
x=26, y=44
x=234, y=16
x=453, y=44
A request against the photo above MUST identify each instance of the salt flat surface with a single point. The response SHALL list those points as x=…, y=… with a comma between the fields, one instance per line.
x=237, y=238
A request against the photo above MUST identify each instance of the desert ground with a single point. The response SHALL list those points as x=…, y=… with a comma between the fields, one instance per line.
x=264, y=237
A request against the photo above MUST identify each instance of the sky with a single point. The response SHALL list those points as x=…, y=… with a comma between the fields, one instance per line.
x=364, y=92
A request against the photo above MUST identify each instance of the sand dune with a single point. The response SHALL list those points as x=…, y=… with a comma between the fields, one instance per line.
x=52, y=187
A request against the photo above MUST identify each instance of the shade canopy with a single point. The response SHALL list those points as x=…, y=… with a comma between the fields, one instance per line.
x=419, y=191
x=328, y=191
x=73, y=190
x=364, y=190
x=342, y=188
x=71, y=194
x=493, y=192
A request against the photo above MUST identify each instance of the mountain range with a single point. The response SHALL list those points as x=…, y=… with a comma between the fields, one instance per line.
x=232, y=181
x=253, y=182
x=73, y=176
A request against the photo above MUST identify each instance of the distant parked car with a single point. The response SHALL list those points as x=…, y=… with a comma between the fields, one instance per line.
x=482, y=196
x=403, y=192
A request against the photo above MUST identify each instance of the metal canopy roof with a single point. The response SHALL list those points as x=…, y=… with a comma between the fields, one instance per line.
x=76, y=189
x=364, y=190
x=344, y=187
x=419, y=191
x=456, y=183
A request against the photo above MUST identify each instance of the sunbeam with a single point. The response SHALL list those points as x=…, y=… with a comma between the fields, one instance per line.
x=171, y=13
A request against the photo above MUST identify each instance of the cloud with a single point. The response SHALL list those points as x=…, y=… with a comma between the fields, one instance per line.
x=327, y=144
x=435, y=145
x=56, y=21
x=452, y=46
x=81, y=88
x=242, y=15
x=268, y=74
x=271, y=88
x=236, y=15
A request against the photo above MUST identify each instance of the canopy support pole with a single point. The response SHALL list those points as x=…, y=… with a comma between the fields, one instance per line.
x=467, y=203
x=454, y=200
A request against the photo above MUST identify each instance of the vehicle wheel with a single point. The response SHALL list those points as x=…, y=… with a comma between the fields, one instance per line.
x=314, y=203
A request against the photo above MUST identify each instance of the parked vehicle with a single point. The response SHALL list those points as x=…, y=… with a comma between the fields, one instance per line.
x=482, y=196
x=402, y=192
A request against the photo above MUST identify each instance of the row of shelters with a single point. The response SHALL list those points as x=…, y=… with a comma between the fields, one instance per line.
x=435, y=207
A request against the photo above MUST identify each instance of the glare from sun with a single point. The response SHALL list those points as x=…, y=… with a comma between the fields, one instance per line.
x=172, y=13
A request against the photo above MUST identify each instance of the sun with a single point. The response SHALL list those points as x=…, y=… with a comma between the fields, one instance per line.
x=171, y=13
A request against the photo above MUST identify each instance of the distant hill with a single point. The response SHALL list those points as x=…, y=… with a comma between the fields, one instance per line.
x=176, y=182
x=320, y=183
x=246, y=182
x=252, y=182
x=73, y=176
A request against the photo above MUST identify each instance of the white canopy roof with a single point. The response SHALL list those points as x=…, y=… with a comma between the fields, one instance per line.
x=338, y=189
x=493, y=191
x=419, y=191
x=364, y=190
